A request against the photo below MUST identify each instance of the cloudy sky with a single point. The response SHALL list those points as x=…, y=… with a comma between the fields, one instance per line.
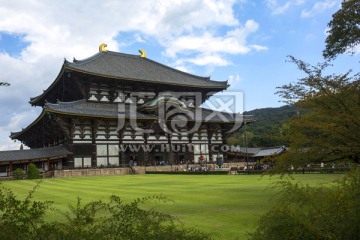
x=244, y=41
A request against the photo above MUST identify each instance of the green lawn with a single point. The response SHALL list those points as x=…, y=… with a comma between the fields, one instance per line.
x=226, y=204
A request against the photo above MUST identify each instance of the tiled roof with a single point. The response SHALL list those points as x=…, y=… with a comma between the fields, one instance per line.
x=33, y=154
x=265, y=152
x=113, y=110
x=133, y=67
x=93, y=109
x=244, y=150
x=84, y=108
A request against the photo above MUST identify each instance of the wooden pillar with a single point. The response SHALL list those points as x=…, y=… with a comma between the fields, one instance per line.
x=71, y=130
x=209, y=136
x=48, y=163
x=146, y=153
x=107, y=136
x=121, y=153
x=190, y=150
x=94, y=128
x=170, y=154
x=10, y=169
x=224, y=135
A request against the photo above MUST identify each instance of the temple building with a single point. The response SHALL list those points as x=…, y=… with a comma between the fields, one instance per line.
x=114, y=109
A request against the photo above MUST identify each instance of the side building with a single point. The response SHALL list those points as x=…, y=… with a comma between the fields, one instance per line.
x=114, y=109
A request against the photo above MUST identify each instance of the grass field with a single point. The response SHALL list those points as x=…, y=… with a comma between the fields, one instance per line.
x=228, y=204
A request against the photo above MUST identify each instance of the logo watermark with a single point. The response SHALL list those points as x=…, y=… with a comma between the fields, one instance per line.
x=175, y=148
x=178, y=112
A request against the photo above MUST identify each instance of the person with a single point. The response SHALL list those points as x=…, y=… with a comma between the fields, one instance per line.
x=202, y=158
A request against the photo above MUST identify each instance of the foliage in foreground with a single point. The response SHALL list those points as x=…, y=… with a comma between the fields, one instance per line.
x=304, y=212
x=4, y=84
x=25, y=219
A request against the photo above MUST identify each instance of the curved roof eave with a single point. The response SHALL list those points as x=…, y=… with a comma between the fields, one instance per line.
x=14, y=135
x=223, y=86
x=34, y=100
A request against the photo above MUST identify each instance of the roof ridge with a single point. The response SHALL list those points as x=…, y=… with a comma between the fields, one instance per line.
x=265, y=148
x=179, y=71
x=99, y=54
x=85, y=60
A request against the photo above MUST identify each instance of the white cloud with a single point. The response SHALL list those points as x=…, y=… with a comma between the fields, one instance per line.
x=17, y=119
x=8, y=144
x=280, y=7
x=211, y=47
x=182, y=68
x=206, y=60
x=234, y=79
x=318, y=7
x=15, y=122
x=75, y=27
x=259, y=47
x=357, y=49
x=326, y=31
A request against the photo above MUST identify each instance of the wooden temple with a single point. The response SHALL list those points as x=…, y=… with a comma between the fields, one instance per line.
x=115, y=109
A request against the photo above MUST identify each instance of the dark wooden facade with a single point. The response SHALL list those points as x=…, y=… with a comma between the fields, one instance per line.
x=116, y=109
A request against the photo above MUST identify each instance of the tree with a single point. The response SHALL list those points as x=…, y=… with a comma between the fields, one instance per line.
x=33, y=172
x=344, y=30
x=268, y=130
x=328, y=126
x=242, y=138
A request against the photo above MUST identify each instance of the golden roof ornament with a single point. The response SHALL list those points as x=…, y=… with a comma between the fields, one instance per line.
x=102, y=47
x=143, y=53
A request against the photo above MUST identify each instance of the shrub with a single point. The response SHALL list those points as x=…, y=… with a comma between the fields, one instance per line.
x=33, y=172
x=96, y=220
x=21, y=219
x=18, y=174
x=304, y=212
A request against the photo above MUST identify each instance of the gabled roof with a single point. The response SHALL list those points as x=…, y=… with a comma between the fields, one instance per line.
x=133, y=67
x=34, y=154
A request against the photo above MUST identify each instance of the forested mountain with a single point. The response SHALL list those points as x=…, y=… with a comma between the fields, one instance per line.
x=269, y=128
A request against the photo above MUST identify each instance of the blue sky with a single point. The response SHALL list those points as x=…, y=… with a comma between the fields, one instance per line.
x=245, y=42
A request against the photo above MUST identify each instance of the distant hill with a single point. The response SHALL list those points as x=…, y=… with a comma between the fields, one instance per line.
x=266, y=131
